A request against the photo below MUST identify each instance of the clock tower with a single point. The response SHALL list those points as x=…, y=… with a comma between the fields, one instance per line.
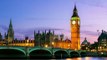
x=75, y=30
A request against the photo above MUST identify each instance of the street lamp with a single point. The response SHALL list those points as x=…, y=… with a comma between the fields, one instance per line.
x=46, y=45
x=27, y=43
x=52, y=49
x=68, y=46
x=53, y=44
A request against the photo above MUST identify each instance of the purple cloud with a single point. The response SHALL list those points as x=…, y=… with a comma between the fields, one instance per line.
x=20, y=33
x=89, y=33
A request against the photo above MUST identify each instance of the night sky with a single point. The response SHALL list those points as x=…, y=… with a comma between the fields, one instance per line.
x=30, y=15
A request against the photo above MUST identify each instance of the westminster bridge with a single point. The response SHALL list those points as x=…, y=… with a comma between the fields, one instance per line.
x=38, y=52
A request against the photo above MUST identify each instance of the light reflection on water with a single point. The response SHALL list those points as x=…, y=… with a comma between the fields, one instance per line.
x=81, y=58
x=88, y=58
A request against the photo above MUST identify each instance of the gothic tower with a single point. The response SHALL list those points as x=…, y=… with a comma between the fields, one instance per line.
x=10, y=32
x=75, y=30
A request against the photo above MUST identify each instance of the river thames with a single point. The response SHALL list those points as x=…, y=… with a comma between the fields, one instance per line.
x=87, y=58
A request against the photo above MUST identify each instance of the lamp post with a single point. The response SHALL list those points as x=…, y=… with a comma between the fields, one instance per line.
x=52, y=49
x=53, y=44
x=27, y=44
x=46, y=45
x=68, y=46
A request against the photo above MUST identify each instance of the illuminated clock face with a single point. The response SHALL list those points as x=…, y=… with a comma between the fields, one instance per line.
x=73, y=22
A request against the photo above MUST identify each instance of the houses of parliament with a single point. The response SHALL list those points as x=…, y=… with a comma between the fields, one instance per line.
x=48, y=37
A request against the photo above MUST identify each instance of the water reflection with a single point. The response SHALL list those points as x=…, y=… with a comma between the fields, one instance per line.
x=81, y=58
x=99, y=58
x=73, y=59
x=88, y=58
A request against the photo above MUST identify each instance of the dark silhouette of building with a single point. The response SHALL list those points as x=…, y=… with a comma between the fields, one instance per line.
x=44, y=38
x=102, y=41
x=0, y=36
x=85, y=45
x=61, y=37
x=5, y=36
x=94, y=46
x=10, y=33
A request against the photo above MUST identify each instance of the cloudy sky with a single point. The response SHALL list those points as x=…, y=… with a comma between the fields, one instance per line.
x=30, y=15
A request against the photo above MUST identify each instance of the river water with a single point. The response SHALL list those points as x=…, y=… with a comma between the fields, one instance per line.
x=88, y=58
x=80, y=58
x=84, y=58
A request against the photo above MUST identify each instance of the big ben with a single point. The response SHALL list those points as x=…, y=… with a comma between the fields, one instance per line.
x=75, y=30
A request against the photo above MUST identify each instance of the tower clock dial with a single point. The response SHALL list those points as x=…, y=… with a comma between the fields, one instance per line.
x=73, y=22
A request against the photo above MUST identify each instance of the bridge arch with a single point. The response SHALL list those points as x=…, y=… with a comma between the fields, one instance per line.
x=33, y=49
x=55, y=50
x=11, y=53
x=40, y=53
x=61, y=54
x=14, y=48
x=74, y=54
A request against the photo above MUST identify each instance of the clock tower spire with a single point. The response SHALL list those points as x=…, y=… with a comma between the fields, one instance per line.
x=75, y=12
x=75, y=30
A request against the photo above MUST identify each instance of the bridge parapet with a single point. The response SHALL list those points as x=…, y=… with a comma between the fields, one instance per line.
x=39, y=48
x=28, y=50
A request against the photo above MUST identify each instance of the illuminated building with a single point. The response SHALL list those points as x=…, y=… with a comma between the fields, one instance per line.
x=48, y=39
x=61, y=37
x=10, y=33
x=75, y=30
x=65, y=44
x=37, y=38
x=25, y=43
x=102, y=41
x=85, y=45
x=94, y=46
x=44, y=38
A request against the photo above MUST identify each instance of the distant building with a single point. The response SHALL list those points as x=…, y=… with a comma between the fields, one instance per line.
x=94, y=46
x=66, y=44
x=85, y=45
x=75, y=30
x=0, y=37
x=49, y=39
x=61, y=37
x=5, y=36
x=10, y=33
x=102, y=41
x=44, y=38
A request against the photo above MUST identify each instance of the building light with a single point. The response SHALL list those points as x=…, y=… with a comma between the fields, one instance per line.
x=26, y=44
x=75, y=49
x=100, y=47
x=104, y=44
x=27, y=41
x=53, y=43
x=46, y=45
x=69, y=45
x=86, y=47
x=102, y=53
